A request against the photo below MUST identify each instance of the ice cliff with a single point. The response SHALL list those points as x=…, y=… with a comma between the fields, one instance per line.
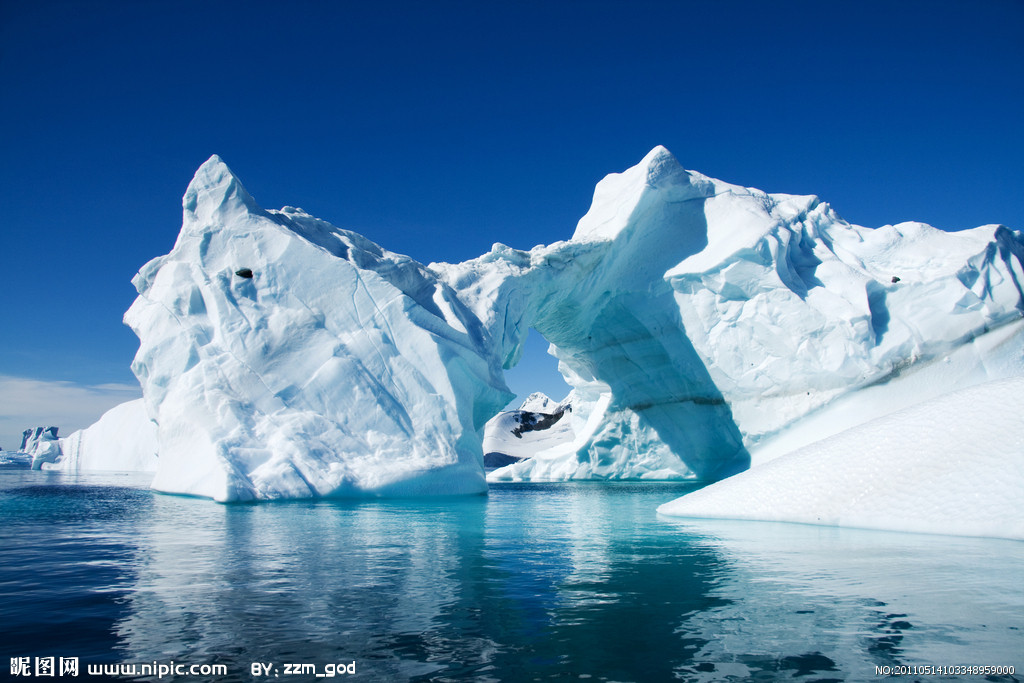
x=698, y=323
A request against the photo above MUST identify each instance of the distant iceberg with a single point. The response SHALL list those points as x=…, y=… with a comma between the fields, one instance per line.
x=539, y=425
x=43, y=445
x=700, y=325
x=951, y=465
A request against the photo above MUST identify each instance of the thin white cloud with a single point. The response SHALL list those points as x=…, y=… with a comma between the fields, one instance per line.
x=26, y=403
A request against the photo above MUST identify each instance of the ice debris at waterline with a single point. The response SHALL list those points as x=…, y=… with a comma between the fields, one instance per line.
x=951, y=465
x=694, y=320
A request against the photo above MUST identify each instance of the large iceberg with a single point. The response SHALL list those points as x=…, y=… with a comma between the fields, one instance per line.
x=281, y=357
x=699, y=325
x=698, y=322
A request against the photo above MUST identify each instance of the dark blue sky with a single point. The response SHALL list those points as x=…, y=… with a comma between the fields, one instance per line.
x=438, y=128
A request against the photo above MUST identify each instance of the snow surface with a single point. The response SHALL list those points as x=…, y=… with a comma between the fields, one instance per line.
x=537, y=426
x=699, y=324
x=123, y=439
x=539, y=402
x=951, y=465
x=999, y=353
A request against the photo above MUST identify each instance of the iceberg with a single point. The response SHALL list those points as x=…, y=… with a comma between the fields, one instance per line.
x=282, y=357
x=645, y=406
x=698, y=322
x=951, y=465
x=42, y=445
x=701, y=326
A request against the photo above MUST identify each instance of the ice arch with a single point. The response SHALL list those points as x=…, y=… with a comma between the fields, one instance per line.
x=646, y=406
x=694, y=318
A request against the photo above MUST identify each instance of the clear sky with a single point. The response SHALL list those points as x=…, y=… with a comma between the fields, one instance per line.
x=438, y=128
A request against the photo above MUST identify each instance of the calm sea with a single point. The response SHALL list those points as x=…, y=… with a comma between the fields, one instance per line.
x=575, y=581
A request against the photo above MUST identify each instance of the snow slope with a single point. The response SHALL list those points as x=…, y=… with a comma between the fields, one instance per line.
x=538, y=425
x=123, y=439
x=951, y=465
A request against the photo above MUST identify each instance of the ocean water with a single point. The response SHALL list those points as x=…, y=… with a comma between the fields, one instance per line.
x=575, y=581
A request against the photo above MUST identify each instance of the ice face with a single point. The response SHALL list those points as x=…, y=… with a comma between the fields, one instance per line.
x=696, y=321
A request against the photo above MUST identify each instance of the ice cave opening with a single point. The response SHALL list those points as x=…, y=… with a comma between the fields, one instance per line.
x=538, y=418
x=536, y=371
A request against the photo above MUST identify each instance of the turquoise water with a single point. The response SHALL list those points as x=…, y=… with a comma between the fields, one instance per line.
x=578, y=581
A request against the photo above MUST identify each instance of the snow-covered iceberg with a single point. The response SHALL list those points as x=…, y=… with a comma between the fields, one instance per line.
x=698, y=323
x=951, y=465
x=281, y=357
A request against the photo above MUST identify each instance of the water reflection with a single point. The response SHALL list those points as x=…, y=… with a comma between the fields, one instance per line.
x=835, y=603
x=532, y=579
x=306, y=582
x=531, y=582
